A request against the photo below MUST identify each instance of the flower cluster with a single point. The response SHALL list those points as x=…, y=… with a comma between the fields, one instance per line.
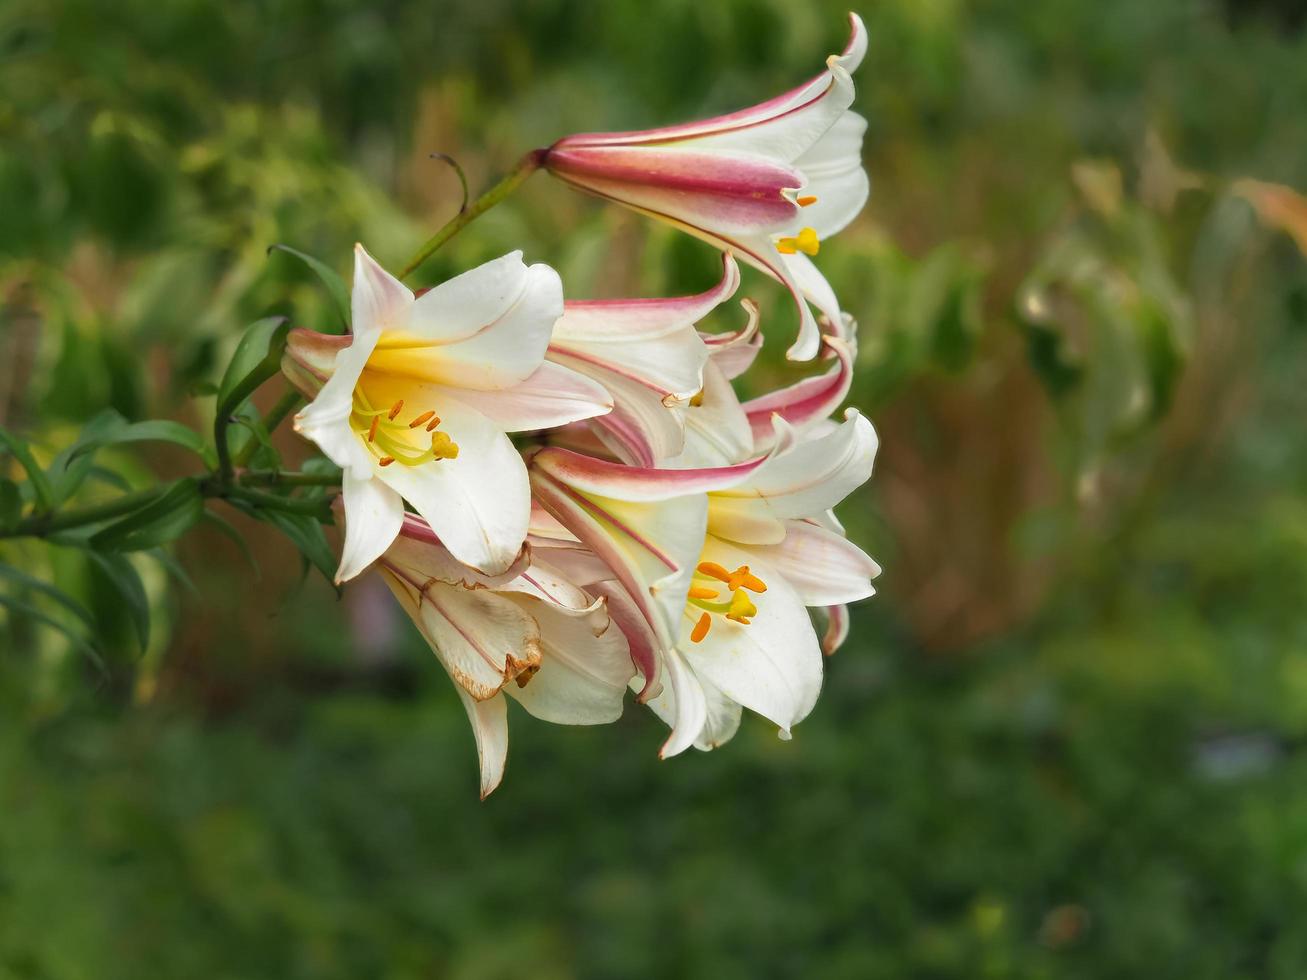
x=654, y=533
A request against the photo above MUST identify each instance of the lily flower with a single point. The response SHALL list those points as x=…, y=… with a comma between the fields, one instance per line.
x=649, y=356
x=528, y=633
x=415, y=405
x=722, y=562
x=768, y=183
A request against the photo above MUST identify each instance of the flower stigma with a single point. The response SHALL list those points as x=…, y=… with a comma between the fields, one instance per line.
x=739, y=608
x=805, y=241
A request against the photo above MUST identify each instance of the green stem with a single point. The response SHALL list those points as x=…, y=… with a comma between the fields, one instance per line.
x=510, y=182
x=43, y=525
x=273, y=418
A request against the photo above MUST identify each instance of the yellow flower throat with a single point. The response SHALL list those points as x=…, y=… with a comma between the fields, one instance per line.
x=395, y=440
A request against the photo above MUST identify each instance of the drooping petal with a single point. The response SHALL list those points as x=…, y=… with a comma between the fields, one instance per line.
x=836, y=177
x=584, y=668
x=325, y=420
x=379, y=301
x=642, y=429
x=772, y=666
x=837, y=629
x=551, y=396
x=825, y=568
x=490, y=729
x=315, y=353
x=806, y=401
x=505, y=351
x=734, y=352
x=373, y=516
x=681, y=704
x=634, y=483
x=479, y=503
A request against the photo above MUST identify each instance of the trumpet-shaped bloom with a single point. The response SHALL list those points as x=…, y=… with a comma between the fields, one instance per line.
x=649, y=356
x=415, y=405
x=721, y=562
x=529, y=633
x=768, y=183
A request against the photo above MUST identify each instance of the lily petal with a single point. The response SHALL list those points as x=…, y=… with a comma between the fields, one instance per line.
x=824, y=568
x=806, y=401
x=551, y=396
x=490, y=729
x=378, y=301
x=374, y=514
x=463, y=306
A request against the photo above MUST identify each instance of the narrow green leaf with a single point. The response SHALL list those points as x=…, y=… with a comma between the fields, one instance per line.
x=307, y=535
x=163, y=519
x=11, y=504
x=174, y=568
x=257, y=358
x=152, y=430
x=48, y=590
x=122, y=575
x=40, y=485
x=30, y=611
x=229, y=529
x=330, y=278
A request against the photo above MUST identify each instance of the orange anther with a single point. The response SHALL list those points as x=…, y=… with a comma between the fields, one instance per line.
x=386, y=460
x=714, y=570
x=372, y=429
x=700, y=628
x=742, y=578
x=700, y=592
x=420, y=419
x=435, y=421
x=395, y=409
x=804, y=201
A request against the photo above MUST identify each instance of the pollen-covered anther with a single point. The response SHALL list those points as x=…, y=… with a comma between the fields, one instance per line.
x=700, y=628
x=702, y=592
x=806, y=200
x=435, y=421
x=372, y=429
x=741, y=578
x=805, y=241
x=421, y=419
x=386, y=460
x=395, y=409
x=443, y=447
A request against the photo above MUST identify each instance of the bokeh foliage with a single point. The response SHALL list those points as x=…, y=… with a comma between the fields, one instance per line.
x=1066, y=740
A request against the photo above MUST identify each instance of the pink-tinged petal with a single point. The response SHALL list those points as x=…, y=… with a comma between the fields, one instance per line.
x=481, y=638
x=478, y=503
x=717, y=431
x=735, y=352
x=803, y=478
x=550, y=397
x=584, y=669
x=772, y=666
x=379, y=301
x=731, y=193
x=806, y=401
x=490, y=729
x=837, y=629
x=824, y=568
x=316, y=352
x=503, y=353
x=373, y=516
x=642, y=429
x=419, y=553
x=633, y=483
x=651, y=547
x=641, y=641
x=795, y=99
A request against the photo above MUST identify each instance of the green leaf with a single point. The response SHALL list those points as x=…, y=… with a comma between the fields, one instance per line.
x=122, y=575
x=163, y=519
x=45, y=589
x=330, y=278
x=307, y=535
x=229, y=529
x=257, y=358
x=40, y=485
x=174, y=568
x=30, y=611
x=11, y=504
x=153, y=430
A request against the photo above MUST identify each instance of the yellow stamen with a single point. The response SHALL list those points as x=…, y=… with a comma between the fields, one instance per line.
x=804, y=201
x=372, y=429
x=420, y=419
x=700, y=592
x=700, y=628
x=806, y=241
x=697, y=398
x=386, y=460
x=395, y=409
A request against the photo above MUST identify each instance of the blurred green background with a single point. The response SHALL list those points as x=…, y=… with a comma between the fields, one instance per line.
x=1069, y=737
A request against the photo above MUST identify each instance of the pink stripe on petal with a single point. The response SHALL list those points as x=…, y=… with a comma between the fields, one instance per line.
x=634, y=483
x=806, y=401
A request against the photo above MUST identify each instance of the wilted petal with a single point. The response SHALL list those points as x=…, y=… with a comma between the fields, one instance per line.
x=490, y=729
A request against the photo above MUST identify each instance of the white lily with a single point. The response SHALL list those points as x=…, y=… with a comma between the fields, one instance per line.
x=415, y=405
x=529, y=634
x=768, y=183
x=722, y=561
